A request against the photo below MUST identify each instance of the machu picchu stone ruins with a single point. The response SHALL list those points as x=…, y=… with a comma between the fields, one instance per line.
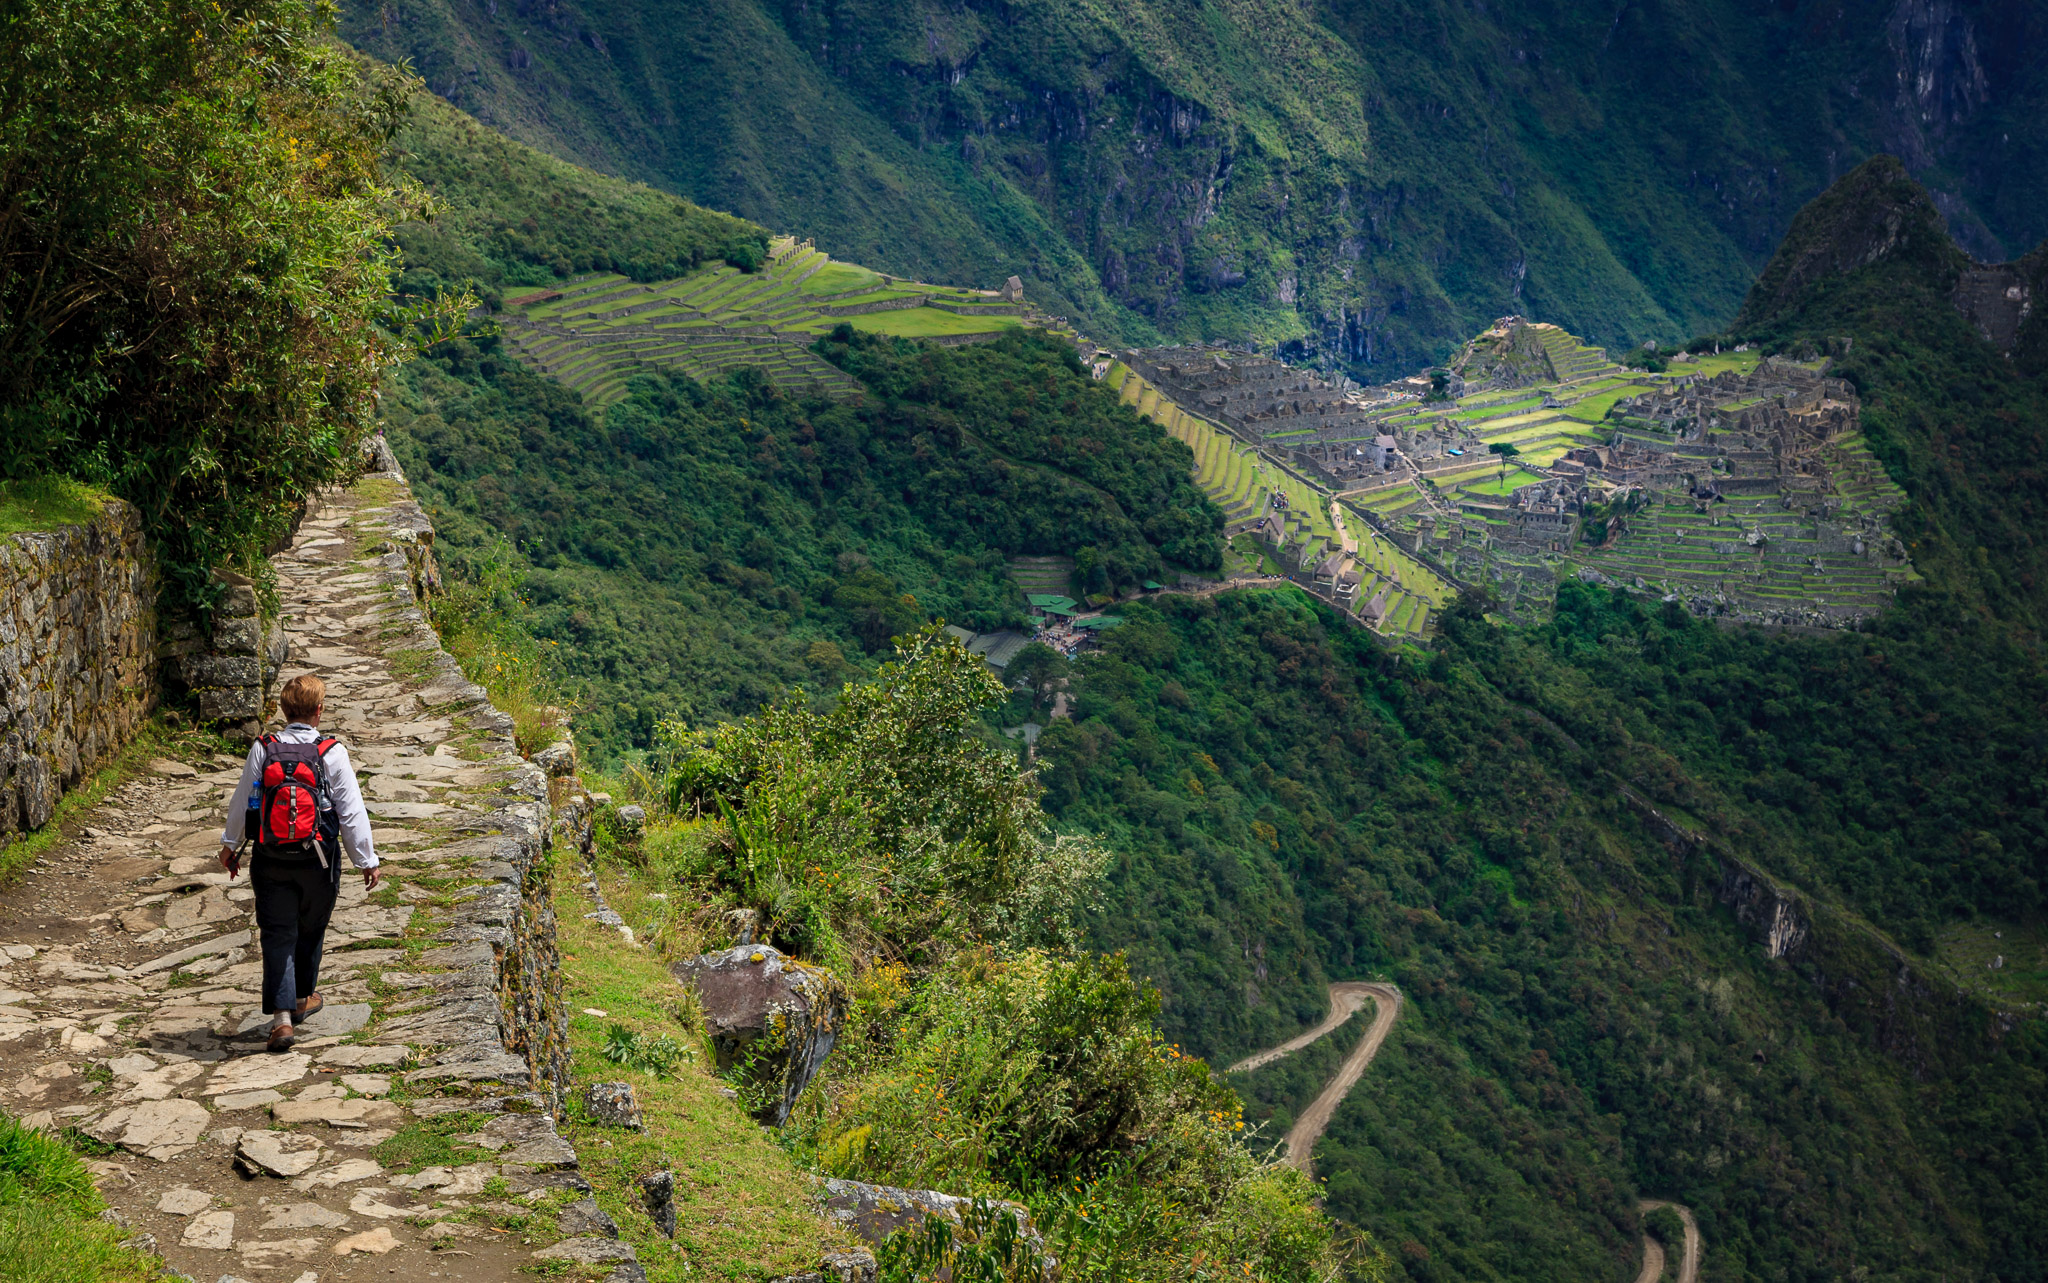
x=1736, y=485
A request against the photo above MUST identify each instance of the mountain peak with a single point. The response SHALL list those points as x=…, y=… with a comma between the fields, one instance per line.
x=1873, y=213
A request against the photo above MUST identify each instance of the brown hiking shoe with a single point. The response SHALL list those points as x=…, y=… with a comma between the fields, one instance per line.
x=281, y=1038
x=309, y=1004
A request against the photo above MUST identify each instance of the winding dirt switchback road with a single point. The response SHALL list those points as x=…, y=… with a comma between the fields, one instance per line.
x=1345, y=1000
x=1653, y=1254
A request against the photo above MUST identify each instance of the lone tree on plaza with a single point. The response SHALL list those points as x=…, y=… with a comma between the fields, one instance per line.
x=1506, y=451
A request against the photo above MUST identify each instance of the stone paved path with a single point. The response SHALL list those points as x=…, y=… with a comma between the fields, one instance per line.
x=129, y=1003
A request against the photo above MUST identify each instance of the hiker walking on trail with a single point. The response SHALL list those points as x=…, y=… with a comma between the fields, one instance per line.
x=298, y=804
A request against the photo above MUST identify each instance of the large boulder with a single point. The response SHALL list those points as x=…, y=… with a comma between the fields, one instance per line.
x=760, y=1003
x=875, y=1212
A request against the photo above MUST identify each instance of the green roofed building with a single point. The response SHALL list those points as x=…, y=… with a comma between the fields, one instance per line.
x=1051, y=601
x=1099, y=622
x=1153, y=585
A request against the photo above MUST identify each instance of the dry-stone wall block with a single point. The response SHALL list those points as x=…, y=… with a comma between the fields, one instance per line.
x=658, y=1193
x=557, y=759
x=584, y=1218
x=587, y=1251
x=613, y=1104
x=77, y=656
x=851, y=1266
x=231, y=675
x=758, y=1001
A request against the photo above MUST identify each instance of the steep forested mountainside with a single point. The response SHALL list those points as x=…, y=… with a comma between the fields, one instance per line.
x=1570, y=845
x=1371, y=179
x=698, y=551
x=1681, y=911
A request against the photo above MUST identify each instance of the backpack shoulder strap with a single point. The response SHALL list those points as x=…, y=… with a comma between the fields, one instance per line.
x=320, y=748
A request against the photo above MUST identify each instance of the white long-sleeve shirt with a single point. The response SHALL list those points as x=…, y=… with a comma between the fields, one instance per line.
x=342, y=790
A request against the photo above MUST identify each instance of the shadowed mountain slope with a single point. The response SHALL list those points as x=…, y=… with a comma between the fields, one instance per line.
x=1368, y=180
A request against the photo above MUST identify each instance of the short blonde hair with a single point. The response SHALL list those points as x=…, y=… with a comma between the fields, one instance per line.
x=301, y=697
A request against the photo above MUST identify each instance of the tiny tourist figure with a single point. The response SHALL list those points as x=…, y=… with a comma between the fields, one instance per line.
x=298, y=805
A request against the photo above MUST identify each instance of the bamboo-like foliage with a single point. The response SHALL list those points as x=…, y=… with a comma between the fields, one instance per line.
x=194, y=258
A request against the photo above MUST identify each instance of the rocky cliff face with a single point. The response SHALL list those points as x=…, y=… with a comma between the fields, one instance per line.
x=1868, y=983
x=1365, y=181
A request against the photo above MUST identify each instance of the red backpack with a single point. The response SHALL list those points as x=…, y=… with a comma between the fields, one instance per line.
x=292, y=809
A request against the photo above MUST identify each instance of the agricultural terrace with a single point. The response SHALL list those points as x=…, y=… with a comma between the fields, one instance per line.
x=592, y=333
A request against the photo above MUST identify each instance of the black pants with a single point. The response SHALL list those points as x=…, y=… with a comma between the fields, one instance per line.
x=294, y=900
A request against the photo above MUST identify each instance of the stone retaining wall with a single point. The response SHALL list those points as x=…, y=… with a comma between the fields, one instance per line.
x=77, y=657
x=977, y=309
x=904, y=304
x=231, y=668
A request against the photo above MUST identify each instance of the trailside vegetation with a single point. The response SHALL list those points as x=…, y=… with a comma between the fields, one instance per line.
x=982, y=1055
x=50, y=1230
x=194, y=261
x=884, y=829
x=488, y=235
x=699, y=550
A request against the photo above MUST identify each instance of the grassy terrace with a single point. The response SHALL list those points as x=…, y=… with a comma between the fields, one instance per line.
x=841, y=278
x=593, y=332
x=1493, y=483
x=1472, y=410
x=927, y=322
x=1594, y=408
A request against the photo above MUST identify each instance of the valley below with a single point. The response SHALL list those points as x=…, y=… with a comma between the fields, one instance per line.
x=1110, y=642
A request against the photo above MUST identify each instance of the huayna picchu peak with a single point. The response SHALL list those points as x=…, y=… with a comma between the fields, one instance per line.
x=852, y=643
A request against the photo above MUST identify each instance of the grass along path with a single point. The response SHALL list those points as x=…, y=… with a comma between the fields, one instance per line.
x=1346, y=997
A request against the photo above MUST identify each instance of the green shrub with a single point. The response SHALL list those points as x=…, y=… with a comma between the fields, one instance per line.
x=194, y=263
x=884, y=827
x=1665, y=1226
x=987, y=1245
x=1021, y=1071
x=658, y=1055
x=1041, y=1077
x=745, y=255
